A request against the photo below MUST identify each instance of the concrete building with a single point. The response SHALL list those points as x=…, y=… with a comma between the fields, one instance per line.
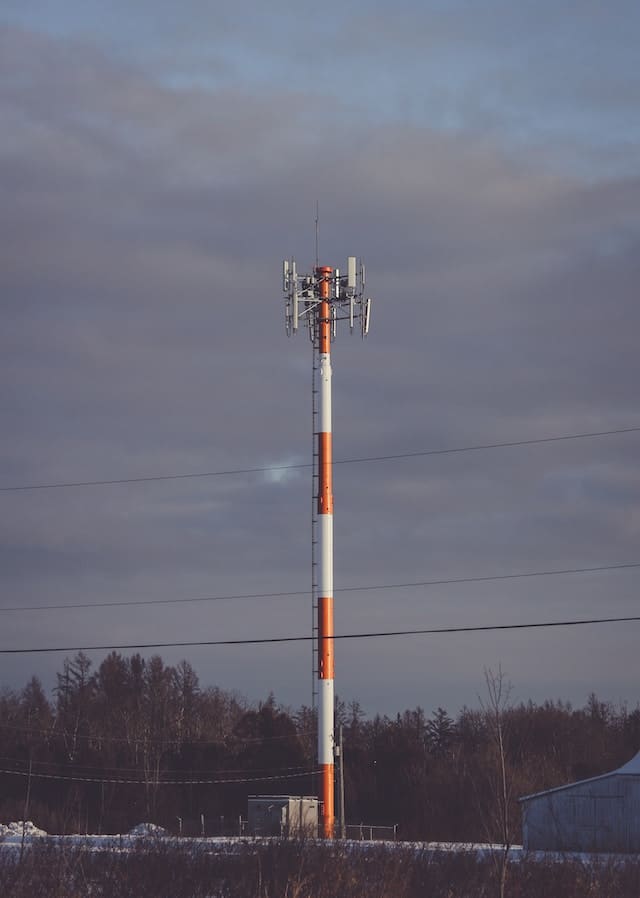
x=291, y=816
x=601, y=814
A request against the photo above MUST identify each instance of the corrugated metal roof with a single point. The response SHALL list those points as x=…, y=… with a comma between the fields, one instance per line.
x=631, y=768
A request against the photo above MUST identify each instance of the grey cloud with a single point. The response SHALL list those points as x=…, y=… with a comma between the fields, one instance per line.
x=143, y=335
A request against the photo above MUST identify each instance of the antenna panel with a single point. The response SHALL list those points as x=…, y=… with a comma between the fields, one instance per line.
x=351, y=272
x=366, y=317
x=285, y=275
x=294, y=297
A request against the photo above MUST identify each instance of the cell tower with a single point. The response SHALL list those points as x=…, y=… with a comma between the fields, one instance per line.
x=320, y=300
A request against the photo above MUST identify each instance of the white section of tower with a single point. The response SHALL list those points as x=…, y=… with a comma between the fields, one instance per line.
x=325, y=573
x=324, y=410
x=325, y=722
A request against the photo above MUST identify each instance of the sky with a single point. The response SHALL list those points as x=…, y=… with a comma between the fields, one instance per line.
x=157, y=163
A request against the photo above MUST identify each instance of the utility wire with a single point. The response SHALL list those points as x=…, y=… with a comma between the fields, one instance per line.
x=282, y=639
x=343, y=461
x=231, y=742
x=190, y=772
x=149, y=782
x=301, y=592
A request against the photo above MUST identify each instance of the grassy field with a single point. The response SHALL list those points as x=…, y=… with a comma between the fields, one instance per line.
x=290, y=869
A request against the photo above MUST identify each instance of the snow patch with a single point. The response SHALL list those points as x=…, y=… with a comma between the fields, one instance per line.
x=147, y=829
x=18, y=827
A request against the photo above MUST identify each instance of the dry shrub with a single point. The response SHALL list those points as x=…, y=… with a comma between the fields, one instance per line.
x=293, y=869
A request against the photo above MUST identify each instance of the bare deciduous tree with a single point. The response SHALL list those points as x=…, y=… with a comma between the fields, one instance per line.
x=494, y=707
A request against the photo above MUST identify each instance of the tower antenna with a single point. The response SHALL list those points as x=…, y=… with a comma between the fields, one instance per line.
x=321, y=299
x=317, y=230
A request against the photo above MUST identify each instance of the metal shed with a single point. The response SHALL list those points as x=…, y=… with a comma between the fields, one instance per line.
x=292, y=816
x=597, y=814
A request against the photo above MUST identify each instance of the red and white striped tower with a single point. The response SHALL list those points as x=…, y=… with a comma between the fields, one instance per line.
x=325, y=552
x=321, y=300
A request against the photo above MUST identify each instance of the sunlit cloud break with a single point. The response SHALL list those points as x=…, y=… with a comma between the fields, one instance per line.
x=283, y=472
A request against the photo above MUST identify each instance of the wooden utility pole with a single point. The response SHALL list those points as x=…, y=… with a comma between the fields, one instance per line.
x=340, y=759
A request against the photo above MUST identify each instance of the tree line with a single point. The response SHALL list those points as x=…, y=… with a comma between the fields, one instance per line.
x=138, y=740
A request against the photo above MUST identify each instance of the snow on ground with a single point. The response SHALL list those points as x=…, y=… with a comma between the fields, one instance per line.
x=20, y=828
x=147, y=829
x=14, y=835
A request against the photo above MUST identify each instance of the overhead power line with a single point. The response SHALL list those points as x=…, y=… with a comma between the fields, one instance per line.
x=281, y=639
x=301, y=592
x=132, y=782
x=94, y=769
x=421, y=453
x=232, y=741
